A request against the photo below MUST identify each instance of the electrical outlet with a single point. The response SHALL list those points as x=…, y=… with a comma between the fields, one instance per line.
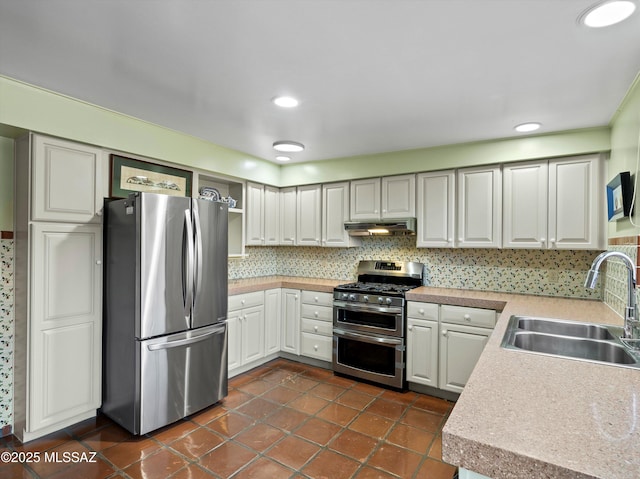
x=553, y=276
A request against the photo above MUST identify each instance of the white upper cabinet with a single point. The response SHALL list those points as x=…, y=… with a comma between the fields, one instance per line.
x=335, y=211
x=365, y=199
x=479, y=207
x=387, y=197
x=67, y=181
x=271, y=220
x=399, y=196
x=255, y=214
x=436, y=209
x=288, y=215
x=309, y=221
x=576, y=215
x=526, y=187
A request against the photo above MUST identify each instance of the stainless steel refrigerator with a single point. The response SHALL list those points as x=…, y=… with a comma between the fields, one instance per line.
x=165, y=334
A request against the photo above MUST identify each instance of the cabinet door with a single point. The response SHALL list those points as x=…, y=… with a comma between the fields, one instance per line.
x=435, y=209
x=479, y=207
x=288, y=215
x=234, y=344
x=576, y=218
x=271, y=215
x=66, y=182
x=66, y=322
x=255, y=214
x=309, y=222
x=335, y=211
x=290, y=339
x=460, y=349
x=365, y=199
x=252, y=334
x=272, y=312
x=422, y=352
x=525, y=205
x=399, y=196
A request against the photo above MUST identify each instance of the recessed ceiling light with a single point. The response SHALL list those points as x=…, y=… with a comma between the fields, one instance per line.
x=282, y=158
x=286, y=101
x=527, y=127
x=607, y=13
x=288, y=146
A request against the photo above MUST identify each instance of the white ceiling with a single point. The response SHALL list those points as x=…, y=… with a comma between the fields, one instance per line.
x=372, y=75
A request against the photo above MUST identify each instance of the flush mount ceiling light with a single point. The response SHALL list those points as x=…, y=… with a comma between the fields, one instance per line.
x=282, y=158
x=288, y=146
x=285, y=101
x=527, y=127
x=604, y=14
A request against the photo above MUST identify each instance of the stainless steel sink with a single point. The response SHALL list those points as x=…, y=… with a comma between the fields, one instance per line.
x=565, y=328
x=570, y=339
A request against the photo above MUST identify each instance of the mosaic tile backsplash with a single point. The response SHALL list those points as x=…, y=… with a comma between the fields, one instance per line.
x=540, y=272
x=6, y=333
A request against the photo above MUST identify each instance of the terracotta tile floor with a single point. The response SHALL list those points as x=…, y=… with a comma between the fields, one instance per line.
x=281, y=420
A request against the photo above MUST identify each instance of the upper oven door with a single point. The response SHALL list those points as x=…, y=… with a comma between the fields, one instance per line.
x=368, y=318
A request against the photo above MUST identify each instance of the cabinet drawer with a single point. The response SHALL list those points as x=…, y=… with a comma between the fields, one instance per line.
x=247, y=300
x=485, y=318
x=316, y=346
x=317, y=327
x=321, y=313
x=422, y=310
x=314, y=297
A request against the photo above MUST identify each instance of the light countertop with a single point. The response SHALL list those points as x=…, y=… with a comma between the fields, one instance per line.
x=525, y=415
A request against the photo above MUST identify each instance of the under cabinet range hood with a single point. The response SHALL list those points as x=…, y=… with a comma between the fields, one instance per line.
x=394, y=227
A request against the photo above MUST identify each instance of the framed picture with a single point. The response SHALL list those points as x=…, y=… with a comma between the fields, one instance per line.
x=619, y=196
x=128, y=175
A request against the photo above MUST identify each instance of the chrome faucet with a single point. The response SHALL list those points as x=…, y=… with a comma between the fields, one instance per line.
x=631, y=322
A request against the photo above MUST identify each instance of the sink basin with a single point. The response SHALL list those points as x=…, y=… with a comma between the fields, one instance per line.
x=565, y=328
x=594, y=350
x=570, y=339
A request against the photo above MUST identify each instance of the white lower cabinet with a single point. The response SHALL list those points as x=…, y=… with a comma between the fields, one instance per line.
x=445, y=342
x=245, y=320
x=272, y=312
x=316, y=337
x=290, y=332
x=422, y=343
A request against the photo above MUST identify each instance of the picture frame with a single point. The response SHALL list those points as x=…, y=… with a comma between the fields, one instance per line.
x=128, y=175
x=619, y=196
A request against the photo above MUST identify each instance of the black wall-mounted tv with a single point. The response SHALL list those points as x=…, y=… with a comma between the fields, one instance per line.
x=619, y=196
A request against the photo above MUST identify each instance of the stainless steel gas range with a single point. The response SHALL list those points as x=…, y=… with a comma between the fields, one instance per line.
x=369, y=322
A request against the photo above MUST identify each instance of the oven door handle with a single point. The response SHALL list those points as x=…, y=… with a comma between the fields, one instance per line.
x=366, y=309
x=366, y=338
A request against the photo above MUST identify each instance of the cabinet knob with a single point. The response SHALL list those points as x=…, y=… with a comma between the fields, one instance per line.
x=99, y=212
x=99, y=261
x=315, y=328
x=410, y=327
x=467, y=317
x=553, y=240
x=315, y=314
x=316, y=299
x=450, y=240
x=242, y=301
x=421, y=311
x=315, y=347
x=460, y=239
x=444, y=332
x=541, y=240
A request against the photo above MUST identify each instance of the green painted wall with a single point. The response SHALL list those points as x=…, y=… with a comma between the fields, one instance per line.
x=450, y=156
x=31, y=108
x=6, y=184
x=625, y=148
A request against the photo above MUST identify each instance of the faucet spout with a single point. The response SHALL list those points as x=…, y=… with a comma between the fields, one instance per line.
x=631, y=322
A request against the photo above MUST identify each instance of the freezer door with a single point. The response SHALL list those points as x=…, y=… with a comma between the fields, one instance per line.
x=181, y=374
x=210, y=286
x=163, y=223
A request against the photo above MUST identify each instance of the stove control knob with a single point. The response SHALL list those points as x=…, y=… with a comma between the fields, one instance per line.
x=389, y=301
x=380, y=299
x=352, y=297
x=365, y=299
x=345, y=296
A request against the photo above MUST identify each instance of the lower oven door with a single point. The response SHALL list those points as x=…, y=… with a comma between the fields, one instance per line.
x=374, y=358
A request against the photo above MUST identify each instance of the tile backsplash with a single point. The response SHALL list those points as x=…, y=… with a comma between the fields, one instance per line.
x=6, y=333
x=540, y=272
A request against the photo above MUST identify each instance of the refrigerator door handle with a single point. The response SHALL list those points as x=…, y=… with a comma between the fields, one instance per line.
x=186, y=342
x=188, y=277
x=198, y=251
